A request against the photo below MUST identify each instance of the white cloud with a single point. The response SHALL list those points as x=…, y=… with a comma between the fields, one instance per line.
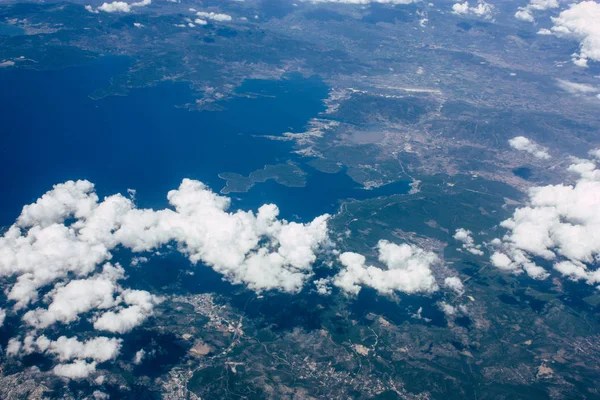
x=595, y=153
x=135, y=261
x=43, y=255
x=65, y=349
x=580, y=22
x=483, y=9
x=258, y=250
x=142, y=3
x=576, y=88
x=118, y=6
x=526, y=13
x=559, y=224
x=78, y=297
x=448, y=309
x=139, y=356
x=99, y=349
x=66, y=199
x=323, y=286
x=502, y=261
x=464, y=236
x=13, y=347
x=2, y=317
x=141, y=305
x=213, y=16
x=78, y=369
x=408, y=270
x=96, y=293
x=522, y=143
x=114, y=7
x=82, y=356
x=454, y=283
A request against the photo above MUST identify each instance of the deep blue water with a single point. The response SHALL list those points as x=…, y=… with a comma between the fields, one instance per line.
x=322, y=194
x=10, y=30
x=52, y=131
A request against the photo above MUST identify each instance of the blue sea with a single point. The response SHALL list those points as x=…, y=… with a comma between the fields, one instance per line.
x=52, y=131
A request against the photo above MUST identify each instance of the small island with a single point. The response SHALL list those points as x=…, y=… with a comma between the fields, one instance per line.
x=288, y=174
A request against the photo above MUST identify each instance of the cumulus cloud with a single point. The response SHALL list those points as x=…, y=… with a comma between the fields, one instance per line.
x=114, y=7
x=454, y=283
x=2, y=317
x=580, y=22
x=408, y=270
x=77, y=297
x=139, y=356
x=78, y=359
x=118, y=6
x=140, y=306
x=213, y=16
x=98, y=292
x=468, y=244
x=526, y=13
x=523, y=14
x=482, y=9
x=13, y=347
x=560, y=224
x=99, y=349
x=323, y=286
x=522, y=143
x=78, y=369
x=258, y=250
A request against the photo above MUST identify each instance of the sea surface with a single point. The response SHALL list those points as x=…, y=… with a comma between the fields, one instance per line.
x=10, y=30
x=52, y=131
